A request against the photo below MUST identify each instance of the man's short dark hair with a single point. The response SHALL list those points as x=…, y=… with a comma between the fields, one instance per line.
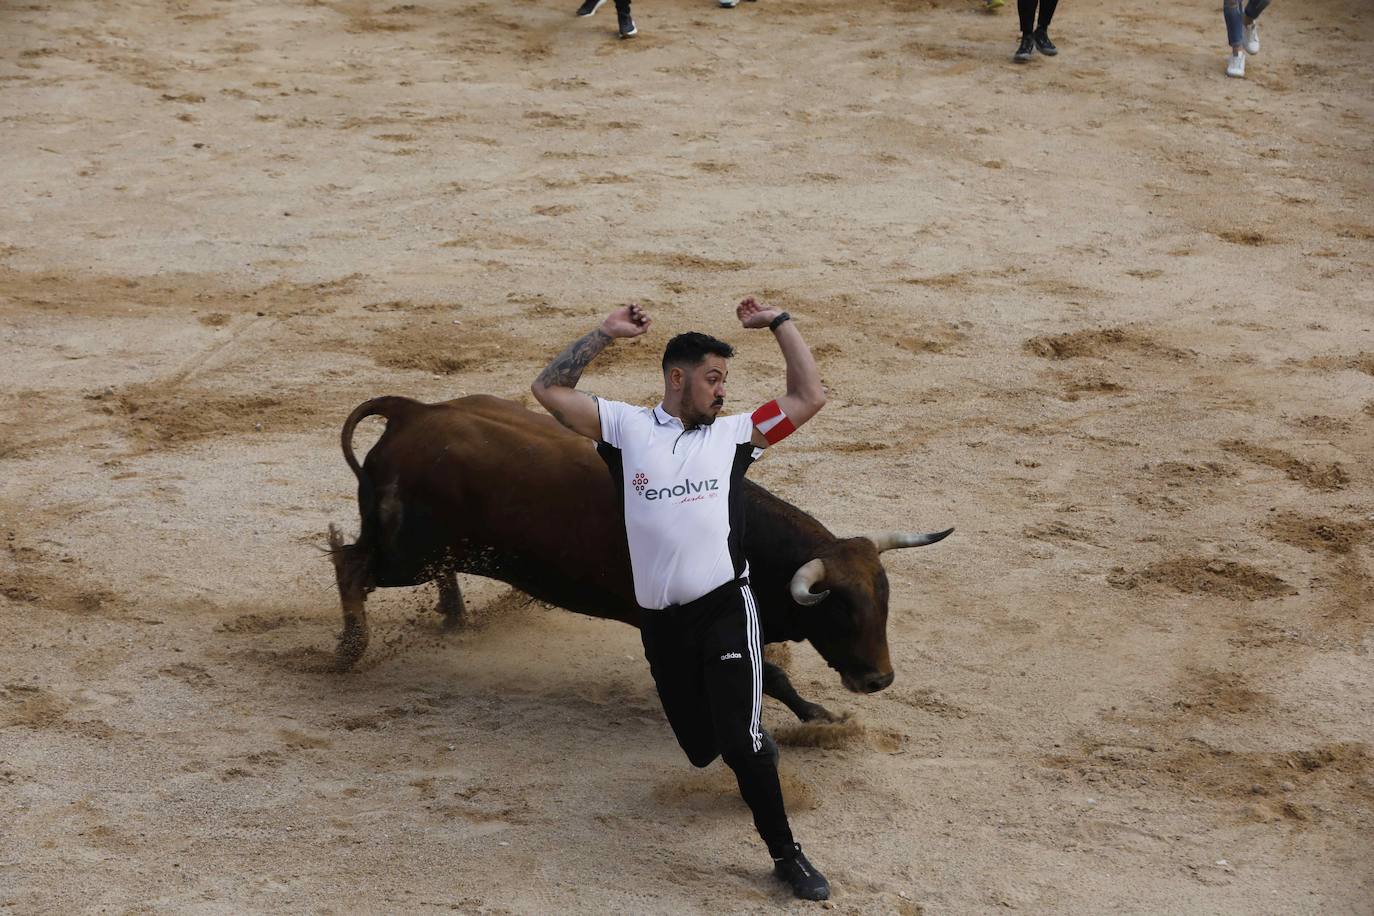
x=688, y=350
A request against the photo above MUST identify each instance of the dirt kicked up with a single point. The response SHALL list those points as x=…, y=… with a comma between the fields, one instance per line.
x=1108, y=313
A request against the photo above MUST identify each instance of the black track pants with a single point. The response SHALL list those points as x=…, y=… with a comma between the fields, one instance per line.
x=1026, y=8
x=706, y=657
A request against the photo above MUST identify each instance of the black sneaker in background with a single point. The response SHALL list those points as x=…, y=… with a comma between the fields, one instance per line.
x=589, y=7
x=800, y=875
x=1024, y=50
x=627, y=24
x=1043, y=43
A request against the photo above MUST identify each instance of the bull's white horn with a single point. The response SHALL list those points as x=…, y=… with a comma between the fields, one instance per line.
x=811, y=572
x=895, y=539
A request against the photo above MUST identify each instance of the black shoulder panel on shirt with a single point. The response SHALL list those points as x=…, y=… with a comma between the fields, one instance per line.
x=615, y=463
x=744, y=456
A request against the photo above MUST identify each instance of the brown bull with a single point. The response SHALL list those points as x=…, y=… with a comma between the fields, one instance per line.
x=483, y=486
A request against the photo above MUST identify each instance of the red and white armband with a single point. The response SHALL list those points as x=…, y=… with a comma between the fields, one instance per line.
x=772, y=422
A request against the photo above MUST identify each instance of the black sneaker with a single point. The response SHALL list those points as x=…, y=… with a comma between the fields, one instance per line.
x=1024, y=50
x=1043, y=43
x=589, y=7
x=627, y=24
x=801, y=876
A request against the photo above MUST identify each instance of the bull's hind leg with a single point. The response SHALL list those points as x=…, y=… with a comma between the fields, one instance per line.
x=350, y=571
x=451, y=601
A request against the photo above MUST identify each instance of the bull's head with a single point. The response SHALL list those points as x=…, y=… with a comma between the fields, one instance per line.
x=844, y=592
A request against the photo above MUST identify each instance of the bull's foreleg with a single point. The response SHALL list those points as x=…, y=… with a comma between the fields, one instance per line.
x=451, y=601
x=351, y=574
x=777, y=685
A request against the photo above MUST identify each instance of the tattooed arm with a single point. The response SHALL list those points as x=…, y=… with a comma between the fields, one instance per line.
x=556, y=386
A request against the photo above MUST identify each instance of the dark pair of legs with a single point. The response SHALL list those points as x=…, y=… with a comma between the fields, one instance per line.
x=622, y=14
x=1237, y=16
x=1027, y=10
x=1035, y=37
x=706, y=658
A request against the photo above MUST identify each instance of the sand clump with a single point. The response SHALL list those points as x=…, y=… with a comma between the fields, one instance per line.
x=1326, y=476
x=1198, y=576
x=440, y=348
x=1299, y=787
x=1318, y=533
x=163, y=416
x=1100, y=343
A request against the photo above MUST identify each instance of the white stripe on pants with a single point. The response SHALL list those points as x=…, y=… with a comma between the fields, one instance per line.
x=751, y=617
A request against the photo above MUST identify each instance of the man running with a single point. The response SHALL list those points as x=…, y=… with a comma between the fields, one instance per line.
x=678, y=468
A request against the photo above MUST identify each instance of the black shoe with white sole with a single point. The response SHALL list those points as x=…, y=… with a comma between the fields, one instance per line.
x=1024, y=50
x=1043, y=43
x=800, y=875
x=589, y=7
x=627, y=24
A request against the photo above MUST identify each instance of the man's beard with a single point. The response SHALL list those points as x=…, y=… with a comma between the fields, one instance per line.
x=702, y=419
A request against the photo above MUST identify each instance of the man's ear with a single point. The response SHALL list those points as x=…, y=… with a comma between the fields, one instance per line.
x=675, y=378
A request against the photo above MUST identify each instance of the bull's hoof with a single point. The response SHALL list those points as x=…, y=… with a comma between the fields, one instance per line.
x=454, y=614
x=451, y=604
x=352, y=645
x=819, y=715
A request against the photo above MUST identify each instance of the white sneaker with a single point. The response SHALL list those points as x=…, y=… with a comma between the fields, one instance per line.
x=729, y=4
x=1235, y=64
x=1252, y=38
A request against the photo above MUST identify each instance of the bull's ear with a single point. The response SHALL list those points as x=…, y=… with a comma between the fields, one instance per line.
x=895, y=539
x=810, y=573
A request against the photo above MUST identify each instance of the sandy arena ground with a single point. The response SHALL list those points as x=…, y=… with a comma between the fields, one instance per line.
x=1110, y=314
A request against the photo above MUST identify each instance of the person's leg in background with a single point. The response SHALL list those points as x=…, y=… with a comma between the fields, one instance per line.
x=1235, y=36
x=1042, y=29
x=1025, y=9
x=622, y=15
x=1252, y=12
x=624, y=20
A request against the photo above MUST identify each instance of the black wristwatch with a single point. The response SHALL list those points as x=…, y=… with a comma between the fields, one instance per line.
x=777, y=322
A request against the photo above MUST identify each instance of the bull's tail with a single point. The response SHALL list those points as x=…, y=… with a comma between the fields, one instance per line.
x=388, y=407
x=391, y=408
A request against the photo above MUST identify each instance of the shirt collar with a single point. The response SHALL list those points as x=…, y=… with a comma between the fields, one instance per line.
x=663, y=418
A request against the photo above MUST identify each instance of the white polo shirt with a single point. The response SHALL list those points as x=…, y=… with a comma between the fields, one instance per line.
x=684, y=516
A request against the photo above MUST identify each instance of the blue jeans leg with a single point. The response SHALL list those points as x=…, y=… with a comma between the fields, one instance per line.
x=1235, y=22
x=1255, y=7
